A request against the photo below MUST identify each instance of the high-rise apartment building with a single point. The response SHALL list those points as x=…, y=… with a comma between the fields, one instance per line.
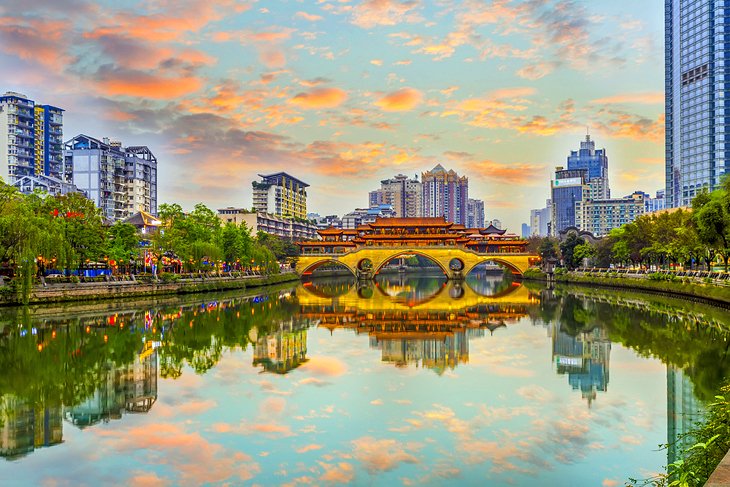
x=281, y=195
x=474, y=213
x=120, y=181
x=445, y=194
x=697, y=106
x=31, y=145
x=403, y=194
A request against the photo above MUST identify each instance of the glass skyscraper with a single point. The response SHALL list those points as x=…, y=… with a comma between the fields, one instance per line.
x=568, y=187
x=697, y=56
x=589, y=158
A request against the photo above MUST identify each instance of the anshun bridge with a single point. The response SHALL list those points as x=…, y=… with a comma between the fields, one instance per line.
x=457, y=250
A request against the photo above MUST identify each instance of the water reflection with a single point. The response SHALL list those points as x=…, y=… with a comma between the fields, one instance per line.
x=584, y=358
x=283, y=348
x=425, y=322
x=502, y=361
x=129, y=388
x=26, y=427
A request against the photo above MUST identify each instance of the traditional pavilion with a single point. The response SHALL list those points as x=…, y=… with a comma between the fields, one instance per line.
x=414, y=232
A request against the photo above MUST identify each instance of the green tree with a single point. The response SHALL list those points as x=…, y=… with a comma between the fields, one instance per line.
x=548, y=249
x=711, y=215
x=584, y=251
x=232, y=243
x=567, y=250
x=123, y=242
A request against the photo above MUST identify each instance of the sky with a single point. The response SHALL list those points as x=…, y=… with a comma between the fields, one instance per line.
x=342, y=94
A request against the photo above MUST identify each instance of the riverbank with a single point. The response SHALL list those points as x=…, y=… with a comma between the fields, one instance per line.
x=715, y=293
x=703, y=290
x=92, y=291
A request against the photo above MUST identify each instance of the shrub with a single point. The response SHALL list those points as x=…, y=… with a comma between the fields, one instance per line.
x=536, y=274
x=167, y=277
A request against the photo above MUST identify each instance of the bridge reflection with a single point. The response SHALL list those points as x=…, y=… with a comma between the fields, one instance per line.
x=424, y=322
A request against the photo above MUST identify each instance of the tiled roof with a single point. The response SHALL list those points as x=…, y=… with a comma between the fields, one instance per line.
x=410, y=222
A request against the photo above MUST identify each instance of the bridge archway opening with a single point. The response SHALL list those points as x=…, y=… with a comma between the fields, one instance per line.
x=493, y=278
x=408, y=261
x=327, y=268
x=490, y=264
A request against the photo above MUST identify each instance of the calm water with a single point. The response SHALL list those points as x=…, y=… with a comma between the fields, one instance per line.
x=409, y=381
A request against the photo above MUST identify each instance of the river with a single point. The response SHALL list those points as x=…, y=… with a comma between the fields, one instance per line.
x=410, y=380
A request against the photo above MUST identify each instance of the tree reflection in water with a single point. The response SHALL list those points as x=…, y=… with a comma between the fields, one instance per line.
x=89, y=365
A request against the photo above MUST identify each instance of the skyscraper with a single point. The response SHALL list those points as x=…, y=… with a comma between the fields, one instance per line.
x=697, y=108
x=445, y=194
x=568, y=187
x=403, y=194
x=595, y=162
x=31, y=145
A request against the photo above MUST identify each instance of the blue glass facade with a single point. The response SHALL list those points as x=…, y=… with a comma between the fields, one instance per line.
x=697, y=59
x=567, y=189
x=593, y=160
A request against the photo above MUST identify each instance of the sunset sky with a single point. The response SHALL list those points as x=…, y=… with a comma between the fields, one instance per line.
x=344, y=93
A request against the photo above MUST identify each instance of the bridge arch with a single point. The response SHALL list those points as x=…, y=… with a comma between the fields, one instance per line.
x=506, y=263
x=379, y=266
x=315, y=265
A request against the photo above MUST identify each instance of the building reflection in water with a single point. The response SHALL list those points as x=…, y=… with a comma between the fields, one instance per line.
x=282, y=349
x=683, y=411
x=435, y=351
x=130, y=388
x=24, y=428
x=584, y=358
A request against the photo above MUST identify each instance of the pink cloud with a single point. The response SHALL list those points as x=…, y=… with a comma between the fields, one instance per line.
x=148, y=479
x=382, y=455
x=648, y=98
x=372, y=13
x=536, y=71
x=308, y=16
x=307, y=448
x=401, y=100
x=324, y=366
x=123, y=82
x=195, y=459
x=35, y=40
x=320, y=98
x=341, y=473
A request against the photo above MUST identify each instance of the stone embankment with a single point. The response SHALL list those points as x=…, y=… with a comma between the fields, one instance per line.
x=706, y=287
x=115, y=289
